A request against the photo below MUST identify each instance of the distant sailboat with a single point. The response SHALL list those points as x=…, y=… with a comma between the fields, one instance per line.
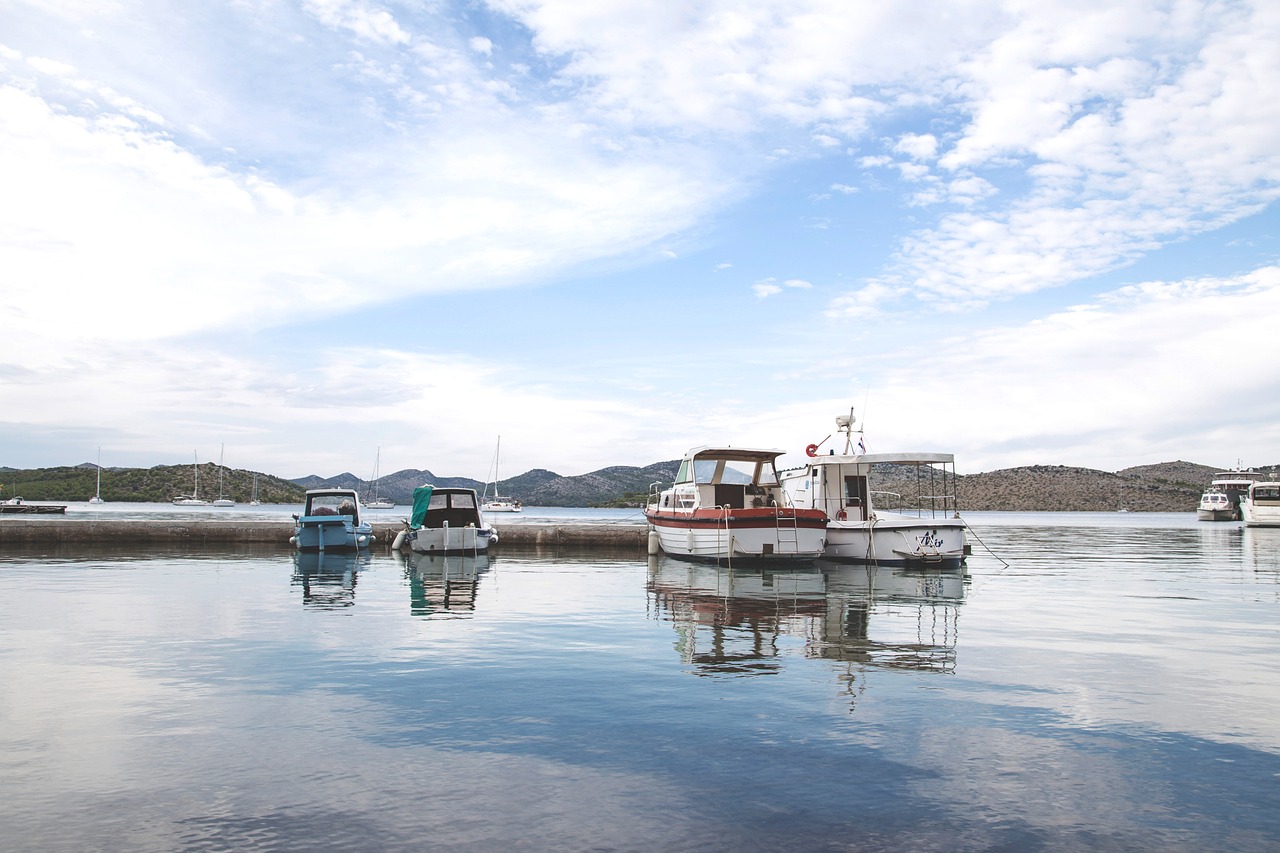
x=255, y=501
x=374, y=501
x=498, y=503
x=194, y=499
x=222, y=500
x=97, y=496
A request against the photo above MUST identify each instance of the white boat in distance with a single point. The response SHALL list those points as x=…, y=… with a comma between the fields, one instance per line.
x=446, y=521
x=726, y=504
x=97, y=495
x=1261, y=504
x=497, y=503
x=374, y=501
x=881, y=527
x=1221, y=501
x=194, y=498
x=331, y=521
x=222, y=500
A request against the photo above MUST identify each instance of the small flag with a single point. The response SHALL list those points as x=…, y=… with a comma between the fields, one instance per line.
x=861, y=447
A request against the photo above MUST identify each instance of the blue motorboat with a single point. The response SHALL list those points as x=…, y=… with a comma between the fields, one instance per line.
x=331, y=521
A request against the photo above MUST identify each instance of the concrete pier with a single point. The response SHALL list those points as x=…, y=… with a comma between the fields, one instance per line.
x=85, y=534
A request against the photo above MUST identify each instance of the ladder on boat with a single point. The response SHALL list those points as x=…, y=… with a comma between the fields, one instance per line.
x=788, y=534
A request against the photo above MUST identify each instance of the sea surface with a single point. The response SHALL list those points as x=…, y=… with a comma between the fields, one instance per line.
x=1091, y=681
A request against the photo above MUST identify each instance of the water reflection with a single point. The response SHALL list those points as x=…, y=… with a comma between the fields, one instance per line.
x=1261, y=551
x=328, y=578
x=738, y=622
x=443, y=586
x=919, y=609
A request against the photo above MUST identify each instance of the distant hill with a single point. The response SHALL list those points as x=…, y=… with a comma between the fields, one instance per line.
x=538, y=487
x=1163, y=487
x=155, y=485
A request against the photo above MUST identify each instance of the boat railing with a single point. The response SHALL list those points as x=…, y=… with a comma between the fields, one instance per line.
x=931, y=505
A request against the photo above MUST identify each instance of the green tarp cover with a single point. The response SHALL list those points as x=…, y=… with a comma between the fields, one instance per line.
x=421, y=500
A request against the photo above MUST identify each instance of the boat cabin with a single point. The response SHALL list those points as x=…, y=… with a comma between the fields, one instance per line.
x=322, y=502
x=852, y=488
x=455, y=507
x=724, y=477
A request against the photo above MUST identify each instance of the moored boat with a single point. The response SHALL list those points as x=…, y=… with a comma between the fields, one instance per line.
x=497, y=503
x=1261, y=504
x=1221, y=501
x=727, y=504
x=331, y=521
x=445, y=521
x=912, y=519
x=194, y=498
x=374, y=500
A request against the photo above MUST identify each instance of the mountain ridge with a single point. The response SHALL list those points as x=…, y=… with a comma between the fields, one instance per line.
x=1161, y=487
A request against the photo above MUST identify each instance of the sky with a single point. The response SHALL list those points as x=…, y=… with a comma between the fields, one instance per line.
x=311, y=237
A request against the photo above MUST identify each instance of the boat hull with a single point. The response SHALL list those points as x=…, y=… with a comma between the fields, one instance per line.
x=779, y=534
x=331, y=533
x=450, y=540
x=897, y=542
x=1217, y=515
x=1260, y=516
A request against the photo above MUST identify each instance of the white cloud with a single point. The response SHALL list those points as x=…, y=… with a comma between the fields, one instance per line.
x=1123, y=381
x=763, y=289
x=364, y=19
x=480, y=44
x=917, y=146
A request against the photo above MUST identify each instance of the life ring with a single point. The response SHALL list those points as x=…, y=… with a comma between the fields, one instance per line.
x=841, y=515
x=812, y=450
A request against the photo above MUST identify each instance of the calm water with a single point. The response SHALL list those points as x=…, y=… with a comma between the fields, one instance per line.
x=1094, y=682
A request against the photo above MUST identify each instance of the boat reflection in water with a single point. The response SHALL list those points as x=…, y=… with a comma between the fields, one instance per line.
x=443, y=586
x=328, y=578
x=1260, y=549
x=735, y=621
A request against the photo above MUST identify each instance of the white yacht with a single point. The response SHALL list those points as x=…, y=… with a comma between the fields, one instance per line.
x=1261, y=504
x=911, y=519
x=1221, y=501
x=726, y=504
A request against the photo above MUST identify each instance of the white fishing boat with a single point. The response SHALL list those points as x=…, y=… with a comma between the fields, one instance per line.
x=331, y=521
x=374, y=501
x=498, y=503
x=97, y=495
x=1221, y=501
x=222, y=500
x=445, y=521
x=911, y=520
x=194, y=498
x=1261, y=504
x=727, y=504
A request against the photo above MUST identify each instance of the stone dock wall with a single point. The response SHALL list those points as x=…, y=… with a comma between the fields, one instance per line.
x=85, y=533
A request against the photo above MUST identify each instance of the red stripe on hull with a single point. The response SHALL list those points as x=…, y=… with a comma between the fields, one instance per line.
x=810, y=519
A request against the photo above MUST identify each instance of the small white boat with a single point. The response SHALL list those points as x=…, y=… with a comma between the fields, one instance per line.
x=1221, y=501
x=726, y=504
x=374, y=501
x=194, y=498
x=254, y=500
x=97, y=495
x=331, y=521
x=882, y=527
x=222, y=500
x=445, y=521
x=1261, y=504
x=498, y=503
